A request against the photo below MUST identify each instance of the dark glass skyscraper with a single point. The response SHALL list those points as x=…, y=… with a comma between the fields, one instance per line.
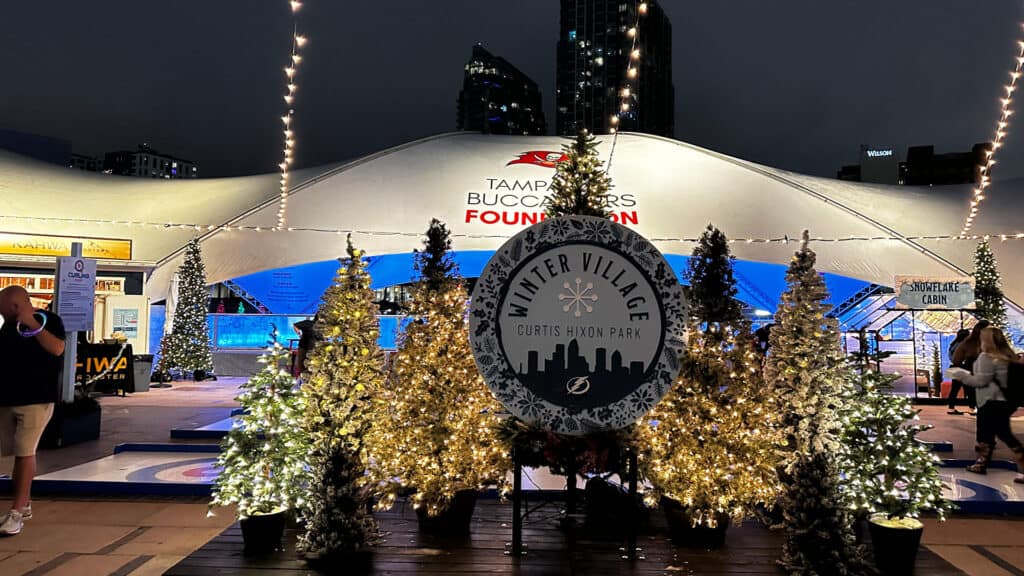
x=593, y=52
x=496, y=98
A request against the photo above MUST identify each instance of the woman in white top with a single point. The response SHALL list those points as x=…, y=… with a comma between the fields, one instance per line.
x=989, y=378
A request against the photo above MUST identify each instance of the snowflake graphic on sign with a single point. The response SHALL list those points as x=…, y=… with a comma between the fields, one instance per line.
x=579, y=297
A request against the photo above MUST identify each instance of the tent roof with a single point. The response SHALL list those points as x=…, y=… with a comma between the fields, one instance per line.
x=675, y=188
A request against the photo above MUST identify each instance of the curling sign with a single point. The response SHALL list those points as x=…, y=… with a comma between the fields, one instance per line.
x=577, y=324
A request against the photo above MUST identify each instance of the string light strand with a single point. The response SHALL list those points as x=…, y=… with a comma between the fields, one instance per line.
x=627, y=92
x=291, y=86
x=989, y=157
x=783, y=239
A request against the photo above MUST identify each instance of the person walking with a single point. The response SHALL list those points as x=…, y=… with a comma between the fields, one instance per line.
x=965, y=355
x=31, y=346
x=991, y=374
x=954, y=389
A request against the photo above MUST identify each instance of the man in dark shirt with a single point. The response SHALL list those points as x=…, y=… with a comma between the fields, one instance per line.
x=308, y=337
x=31, y=346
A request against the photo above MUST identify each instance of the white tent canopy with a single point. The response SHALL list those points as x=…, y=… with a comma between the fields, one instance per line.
x=672, y=189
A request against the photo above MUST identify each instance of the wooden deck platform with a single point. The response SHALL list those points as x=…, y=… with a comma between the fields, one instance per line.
x=750, y=550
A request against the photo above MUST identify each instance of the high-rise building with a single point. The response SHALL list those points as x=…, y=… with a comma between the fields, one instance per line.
x=148, y=163
x=496, y=98
x=594, y=49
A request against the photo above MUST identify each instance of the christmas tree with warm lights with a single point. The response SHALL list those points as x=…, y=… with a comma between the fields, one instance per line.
x=580, y=185
x=435, y=422
x=263, y=457
x=710, y=444
x=886, y=470
x=187, y=347
x=806, y=375
x=344, y=370
x=988, y=287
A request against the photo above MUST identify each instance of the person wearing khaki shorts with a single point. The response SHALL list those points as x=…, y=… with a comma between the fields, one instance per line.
x=31, y=346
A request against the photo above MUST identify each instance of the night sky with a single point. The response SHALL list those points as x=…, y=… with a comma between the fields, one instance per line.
x=797, y=84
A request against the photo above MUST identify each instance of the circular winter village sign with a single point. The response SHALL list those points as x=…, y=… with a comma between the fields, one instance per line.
x=577, y=324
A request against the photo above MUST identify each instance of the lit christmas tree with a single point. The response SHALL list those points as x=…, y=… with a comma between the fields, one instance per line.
x=345, y=369
x=187, y=346
x=263, y=457
x=710, y=444
x=988, y=287
x=580, y=185
x=886, y=470
x=805, y=373
x=435, y=422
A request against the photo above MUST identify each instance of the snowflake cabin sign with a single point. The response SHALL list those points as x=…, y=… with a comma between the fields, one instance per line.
x=577, y=325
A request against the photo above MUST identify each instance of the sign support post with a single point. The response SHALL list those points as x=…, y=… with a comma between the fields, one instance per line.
x=67, y=377
x=74, y=295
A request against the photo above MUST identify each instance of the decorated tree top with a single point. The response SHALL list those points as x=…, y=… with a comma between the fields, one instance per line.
x=805, y=367
x=988, y=286
x=434, y=262
x=712, y=284
x=580, y=185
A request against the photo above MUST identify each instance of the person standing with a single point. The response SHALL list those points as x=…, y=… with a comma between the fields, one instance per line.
x=954, y=389
x=965, y=355
x=31, y=347
x=991, y=374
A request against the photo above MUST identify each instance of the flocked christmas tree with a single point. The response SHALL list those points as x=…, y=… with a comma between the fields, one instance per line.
x=263, y=457
x=580, y=185
x=886, y=470
x=711, y=443
x=344, y=370
x=435, y=422
x=187, y=347
x=805, y=374
x=988, y=287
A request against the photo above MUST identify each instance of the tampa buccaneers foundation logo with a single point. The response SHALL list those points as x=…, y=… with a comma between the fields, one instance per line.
x=543, y=158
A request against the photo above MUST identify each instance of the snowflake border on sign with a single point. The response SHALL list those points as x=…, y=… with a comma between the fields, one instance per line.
x=489, y=293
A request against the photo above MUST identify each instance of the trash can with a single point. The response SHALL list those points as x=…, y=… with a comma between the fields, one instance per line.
x=143, y=369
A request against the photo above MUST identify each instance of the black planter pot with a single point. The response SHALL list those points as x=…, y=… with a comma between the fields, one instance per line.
x=895, y=548
x=454, y=520
x=262, y=533
x=684, y=533
x=72, y=424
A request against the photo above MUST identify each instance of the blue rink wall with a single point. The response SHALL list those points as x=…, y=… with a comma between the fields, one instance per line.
x=297, y=290
x=293, y=294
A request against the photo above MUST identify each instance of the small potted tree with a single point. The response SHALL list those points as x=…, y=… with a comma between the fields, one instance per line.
x=263, y=456
x=890, y=477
